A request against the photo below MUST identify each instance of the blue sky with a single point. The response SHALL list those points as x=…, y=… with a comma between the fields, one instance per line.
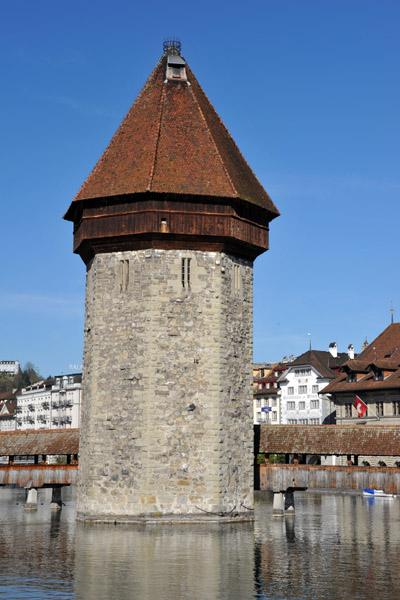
x=309, y=90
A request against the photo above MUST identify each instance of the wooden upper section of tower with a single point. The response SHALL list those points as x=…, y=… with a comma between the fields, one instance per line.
x=171, y=177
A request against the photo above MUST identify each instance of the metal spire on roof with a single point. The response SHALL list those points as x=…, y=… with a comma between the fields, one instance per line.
x=173, y=46
x=391, y=310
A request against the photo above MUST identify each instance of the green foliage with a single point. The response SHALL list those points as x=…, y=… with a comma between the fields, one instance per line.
x=277, y=459
x=30, y=374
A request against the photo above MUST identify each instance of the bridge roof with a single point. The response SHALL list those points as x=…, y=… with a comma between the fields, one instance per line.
x=34, y=442
x=378, y=440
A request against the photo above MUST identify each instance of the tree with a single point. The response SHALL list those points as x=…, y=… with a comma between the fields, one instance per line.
x=30, y=374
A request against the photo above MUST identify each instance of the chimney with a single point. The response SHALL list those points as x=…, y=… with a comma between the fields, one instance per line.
x=350, y=351
x=333, y=349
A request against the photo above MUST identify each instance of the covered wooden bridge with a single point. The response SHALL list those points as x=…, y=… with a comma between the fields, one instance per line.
x=36, y=459
x=298, y=443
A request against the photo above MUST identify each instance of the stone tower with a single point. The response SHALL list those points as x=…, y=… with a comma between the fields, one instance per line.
x=168, y=224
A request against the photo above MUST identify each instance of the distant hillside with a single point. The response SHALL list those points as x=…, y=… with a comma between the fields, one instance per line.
x=30, y=374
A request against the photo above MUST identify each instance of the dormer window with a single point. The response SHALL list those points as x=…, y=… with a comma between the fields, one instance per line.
x=176, y=68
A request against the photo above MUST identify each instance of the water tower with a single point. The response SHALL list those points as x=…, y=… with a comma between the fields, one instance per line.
x=168, y=224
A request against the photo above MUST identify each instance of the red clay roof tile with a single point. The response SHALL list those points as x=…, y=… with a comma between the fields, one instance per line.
x=172, y=141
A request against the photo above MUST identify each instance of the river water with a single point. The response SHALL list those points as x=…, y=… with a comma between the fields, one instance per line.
x=336, y=547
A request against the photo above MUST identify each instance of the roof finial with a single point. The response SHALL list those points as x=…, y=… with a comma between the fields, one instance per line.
x=391, y=310
x=309, y=334
x=173, y=46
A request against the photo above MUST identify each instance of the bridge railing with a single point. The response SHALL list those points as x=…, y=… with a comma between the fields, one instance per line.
x=279, y=478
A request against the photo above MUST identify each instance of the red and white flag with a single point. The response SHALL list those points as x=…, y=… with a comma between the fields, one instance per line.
x=361, y=407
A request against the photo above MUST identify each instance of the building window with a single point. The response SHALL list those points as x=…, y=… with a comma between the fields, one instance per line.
x=273, y=402
x=290, y=391
x=186, y=273
x=314, y=404
x=292, y=421
x=237, y=280
x=291, y=405
x=123, y=275
x=302, y=405
x=396, y=408
x=315, y=389
x=274, y=415
x=314, y=421
x=258, y=403
x=347, y=410
x=303, y=421
x=379, y=409
x=302, y=389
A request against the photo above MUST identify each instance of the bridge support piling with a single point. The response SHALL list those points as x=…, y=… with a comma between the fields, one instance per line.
x=283, y=503
x=32, y=499
x=278, y=507
x=56, y=502
x=289, y=501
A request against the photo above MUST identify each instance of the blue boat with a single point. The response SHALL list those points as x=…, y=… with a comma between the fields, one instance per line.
x=371, y=493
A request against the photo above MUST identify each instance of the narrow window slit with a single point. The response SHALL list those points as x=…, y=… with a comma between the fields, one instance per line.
x=123, y=275
x=186, y=273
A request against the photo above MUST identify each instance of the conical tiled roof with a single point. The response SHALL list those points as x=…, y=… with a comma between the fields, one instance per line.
x=173, y=142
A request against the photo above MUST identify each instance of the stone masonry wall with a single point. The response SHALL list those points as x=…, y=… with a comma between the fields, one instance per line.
x=167, y=409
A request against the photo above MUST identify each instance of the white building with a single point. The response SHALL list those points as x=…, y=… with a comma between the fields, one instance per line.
x=300, y=384
x=9, y=367
x=51, y=404
x=266, y=392
x=8, y=403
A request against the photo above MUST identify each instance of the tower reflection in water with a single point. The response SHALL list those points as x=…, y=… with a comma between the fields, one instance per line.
x=174, y=562
x=334, y=547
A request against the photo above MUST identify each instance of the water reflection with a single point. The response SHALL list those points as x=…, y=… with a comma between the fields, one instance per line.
x=334, y=547
x=165, y=562
x=36, y=548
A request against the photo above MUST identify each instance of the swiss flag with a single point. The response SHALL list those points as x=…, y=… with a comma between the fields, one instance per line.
x=360, y=406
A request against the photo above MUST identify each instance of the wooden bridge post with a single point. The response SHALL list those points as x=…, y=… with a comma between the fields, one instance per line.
x=56, y=502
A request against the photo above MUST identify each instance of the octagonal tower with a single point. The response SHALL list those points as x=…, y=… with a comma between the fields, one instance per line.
x=168, y=224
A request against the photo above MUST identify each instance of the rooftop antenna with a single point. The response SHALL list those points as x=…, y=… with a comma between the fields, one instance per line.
x=309, y=335
x=392, y=311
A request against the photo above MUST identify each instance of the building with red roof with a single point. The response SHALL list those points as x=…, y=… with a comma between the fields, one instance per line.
x=374, y=377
